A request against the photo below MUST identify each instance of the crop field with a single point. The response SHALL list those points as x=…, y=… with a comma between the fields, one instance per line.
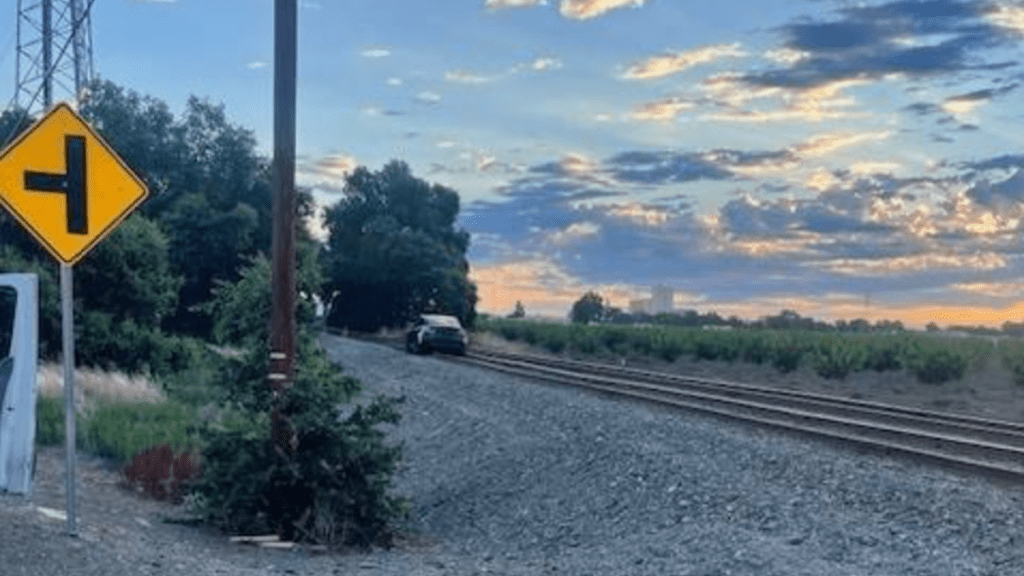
x=932, y=359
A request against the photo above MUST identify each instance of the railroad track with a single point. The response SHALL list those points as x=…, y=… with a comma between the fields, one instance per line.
x=991, y=447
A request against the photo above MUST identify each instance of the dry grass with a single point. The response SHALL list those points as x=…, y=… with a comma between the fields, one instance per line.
x=92, y=385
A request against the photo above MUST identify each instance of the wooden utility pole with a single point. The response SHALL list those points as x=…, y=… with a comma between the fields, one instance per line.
x=282, y=317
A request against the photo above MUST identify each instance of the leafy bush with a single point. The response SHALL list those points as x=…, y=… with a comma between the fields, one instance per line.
x=330, y=486
x=836, y=360
x=667, y=347
x=757, y=350
x=886, y=355
x=554, y=345
x=509, y=331
x=613, y=338
x=937, y=365
x=786, y=357
x=133, y=348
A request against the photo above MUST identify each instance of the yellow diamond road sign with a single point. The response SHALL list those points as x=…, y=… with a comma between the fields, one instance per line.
x=66, y=185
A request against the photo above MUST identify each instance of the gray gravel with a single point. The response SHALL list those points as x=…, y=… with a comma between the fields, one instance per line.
x=511, y=477
x=514, y=477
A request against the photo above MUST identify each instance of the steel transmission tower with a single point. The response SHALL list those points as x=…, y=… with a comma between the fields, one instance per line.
x=54, y=36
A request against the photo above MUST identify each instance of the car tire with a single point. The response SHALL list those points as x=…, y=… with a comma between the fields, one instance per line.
x=412, y=346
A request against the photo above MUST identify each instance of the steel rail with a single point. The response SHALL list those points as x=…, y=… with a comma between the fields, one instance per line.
x=992, y=447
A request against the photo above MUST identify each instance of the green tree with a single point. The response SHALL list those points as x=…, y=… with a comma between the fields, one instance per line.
x=13, y=122
x=589, y=308
x=209, y=188
x=394, y=251
x=128, y=275
x=519, y=312
x=241, y=311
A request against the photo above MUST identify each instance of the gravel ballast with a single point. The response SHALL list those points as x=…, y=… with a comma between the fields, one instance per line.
x=509, y=476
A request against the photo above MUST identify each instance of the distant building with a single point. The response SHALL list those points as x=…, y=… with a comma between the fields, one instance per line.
x=661, y=301
x=640, y=306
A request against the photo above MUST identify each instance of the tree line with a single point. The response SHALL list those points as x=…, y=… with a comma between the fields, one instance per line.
x=393, y=247
x=591, y=307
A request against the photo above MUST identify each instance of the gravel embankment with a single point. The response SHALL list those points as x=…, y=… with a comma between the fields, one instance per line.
x=513, y=477
x=517, y=478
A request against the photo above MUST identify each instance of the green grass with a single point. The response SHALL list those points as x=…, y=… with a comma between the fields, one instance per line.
x=120, y=431
x=49, y=421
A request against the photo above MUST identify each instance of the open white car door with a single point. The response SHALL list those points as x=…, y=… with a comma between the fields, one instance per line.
x=19, y=346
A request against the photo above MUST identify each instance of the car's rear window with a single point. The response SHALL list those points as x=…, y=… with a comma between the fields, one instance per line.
x=444, y=321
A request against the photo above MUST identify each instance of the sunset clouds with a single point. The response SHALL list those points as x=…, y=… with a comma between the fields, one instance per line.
x=752, y=155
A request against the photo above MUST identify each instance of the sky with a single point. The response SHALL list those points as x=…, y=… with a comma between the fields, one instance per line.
x=840, y=159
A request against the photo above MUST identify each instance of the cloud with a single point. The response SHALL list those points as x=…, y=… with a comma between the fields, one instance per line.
x=732, y=93
x=916, y=263
x=1008, y=191
x=538, y=64
x=674, y=62
x=378, y=111
x=256, y=65
x=573, y=233
x=499, y=4
x=786, y=56
x=1006, y=16
x=960, y=106
x=327, y=172
x=1010, y=289
x=395, y=82
x=644, y=214
x=828, y=143
x=585, y=9
x=661, y=111
x=665, y=166
x=375, y=52
x=575, y=9
x=545, y=63
x=542, y=285
x=911, y=39
x=428, y=98
x=465, y=77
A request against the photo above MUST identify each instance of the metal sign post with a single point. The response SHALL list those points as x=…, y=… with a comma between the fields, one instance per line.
x=68, y=335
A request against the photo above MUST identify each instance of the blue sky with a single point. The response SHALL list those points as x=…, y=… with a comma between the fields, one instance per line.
x=837, y=158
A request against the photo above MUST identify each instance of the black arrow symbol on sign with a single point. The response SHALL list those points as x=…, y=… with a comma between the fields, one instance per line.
x=72, y=184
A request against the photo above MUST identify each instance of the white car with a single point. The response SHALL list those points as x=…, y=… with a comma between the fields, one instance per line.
x=436, y=332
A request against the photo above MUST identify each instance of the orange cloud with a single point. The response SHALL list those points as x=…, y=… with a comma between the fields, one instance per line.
x=919, y=316
x=328, y=172
x=542, y=286
x=661, y=111
x=584, y=9
x=673, y=62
